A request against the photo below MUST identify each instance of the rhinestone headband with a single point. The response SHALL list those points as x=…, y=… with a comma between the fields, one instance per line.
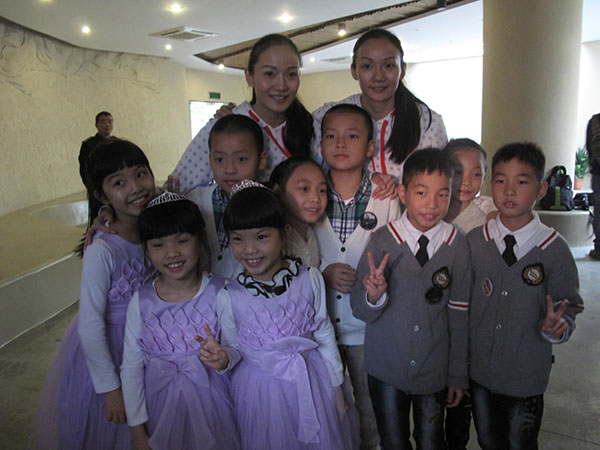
x=244, y=184
x=165, y=197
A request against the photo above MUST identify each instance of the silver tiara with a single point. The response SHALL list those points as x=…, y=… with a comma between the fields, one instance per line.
x=244, y=184
x=165, y=197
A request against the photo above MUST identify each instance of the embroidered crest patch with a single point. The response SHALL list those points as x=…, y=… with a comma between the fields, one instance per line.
x=533, y=274
x=368, y=220
x=487, y=287
x=441, y=278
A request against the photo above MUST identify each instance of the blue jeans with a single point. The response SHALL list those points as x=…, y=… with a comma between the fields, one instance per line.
x=506, y=423
x=392, y=409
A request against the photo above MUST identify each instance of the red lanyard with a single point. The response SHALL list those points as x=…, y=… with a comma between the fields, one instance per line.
x=284, y=150
x=381, y=149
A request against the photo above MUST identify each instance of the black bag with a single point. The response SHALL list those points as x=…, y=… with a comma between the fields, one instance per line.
x=559, y=196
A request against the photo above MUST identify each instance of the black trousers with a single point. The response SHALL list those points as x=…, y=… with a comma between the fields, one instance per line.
x=458, y=424
x=392, y=409
x=506, y=423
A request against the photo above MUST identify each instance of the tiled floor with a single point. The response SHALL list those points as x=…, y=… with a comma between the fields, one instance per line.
x=572, y=412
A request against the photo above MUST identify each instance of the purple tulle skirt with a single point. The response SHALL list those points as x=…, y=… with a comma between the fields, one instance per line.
x=70, y=414
x=189, y=406
x=273, y=413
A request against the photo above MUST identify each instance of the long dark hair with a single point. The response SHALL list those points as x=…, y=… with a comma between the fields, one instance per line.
x=299, y=131
x=406, y=132
x=112, y=155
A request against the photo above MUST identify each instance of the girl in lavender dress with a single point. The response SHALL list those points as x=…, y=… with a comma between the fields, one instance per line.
x=174, y=399
x=287, y=386
x=81, y=404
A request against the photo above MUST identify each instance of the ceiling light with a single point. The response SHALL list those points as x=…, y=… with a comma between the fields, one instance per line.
x=312, y=59
x=342, y=29
x=85, y=29
x=441, y=4
x=175, y=8
x=168, y=47
x=221, y=66
x=285, y=17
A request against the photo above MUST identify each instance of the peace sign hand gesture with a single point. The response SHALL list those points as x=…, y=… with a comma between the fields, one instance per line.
x=554, y=323
x=211, y=352
x=374, y=281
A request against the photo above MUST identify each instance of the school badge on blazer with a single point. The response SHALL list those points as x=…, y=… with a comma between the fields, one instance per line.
x=487, y=287
x=533, y=274
x=440, y=280
x=368, y=220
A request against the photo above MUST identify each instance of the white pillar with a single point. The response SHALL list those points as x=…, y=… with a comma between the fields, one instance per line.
x=531, y=75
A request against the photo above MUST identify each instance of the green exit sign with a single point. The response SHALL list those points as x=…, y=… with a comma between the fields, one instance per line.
x=215, y=95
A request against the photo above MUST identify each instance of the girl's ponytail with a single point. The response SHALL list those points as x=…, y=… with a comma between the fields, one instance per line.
x=299, y=131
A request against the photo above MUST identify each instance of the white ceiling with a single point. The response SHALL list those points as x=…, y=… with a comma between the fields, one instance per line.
x=126, y=25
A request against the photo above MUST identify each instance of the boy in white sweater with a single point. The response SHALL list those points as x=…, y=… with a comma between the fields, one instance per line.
x=236, y=153
x=352, y=216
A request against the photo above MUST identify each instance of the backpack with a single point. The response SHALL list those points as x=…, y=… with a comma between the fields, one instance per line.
x=559, y=196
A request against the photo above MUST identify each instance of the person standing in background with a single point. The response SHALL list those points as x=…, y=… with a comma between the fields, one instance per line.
x=592, y=143
x=104, y=125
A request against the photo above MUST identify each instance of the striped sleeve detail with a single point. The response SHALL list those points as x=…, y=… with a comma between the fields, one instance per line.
x=395, y=233
x=451, y=237
x=486, y=231
x=460, y=306
x=548, y=240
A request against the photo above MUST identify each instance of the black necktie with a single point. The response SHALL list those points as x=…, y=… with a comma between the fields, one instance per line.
x=509, y=255
x=421, y=254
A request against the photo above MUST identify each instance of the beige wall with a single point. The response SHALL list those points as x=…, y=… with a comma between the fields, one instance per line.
x=50, y=92
x=318, y=88
x=589, y=87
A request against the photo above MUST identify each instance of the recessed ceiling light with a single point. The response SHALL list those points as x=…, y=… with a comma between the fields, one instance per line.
x=221, y=66
x=175, y=8
x=168, y=47
x=85, y=29
x=342, y=30
x=312, y=59
x=285, y=17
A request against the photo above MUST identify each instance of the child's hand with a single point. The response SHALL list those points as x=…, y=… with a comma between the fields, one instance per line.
x=340, y=277
x=385, y=186
x=173, y=185
x=554, y=324
x=340, y=402
x=139, y=438
x=224, y=110
x=455, y=395
x=211, y=352
x=374, y=281
x=102, y=222
x=114, y=407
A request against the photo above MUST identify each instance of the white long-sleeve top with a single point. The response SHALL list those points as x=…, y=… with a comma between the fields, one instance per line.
x=350, y=330
x=98, y=265
x=324, y=335
x=222, y=261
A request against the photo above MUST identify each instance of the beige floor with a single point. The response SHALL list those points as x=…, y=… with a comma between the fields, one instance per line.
x=572, y=413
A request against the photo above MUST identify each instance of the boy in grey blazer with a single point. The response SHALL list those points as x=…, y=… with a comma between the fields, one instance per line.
x=524, y=299
x=415, y=304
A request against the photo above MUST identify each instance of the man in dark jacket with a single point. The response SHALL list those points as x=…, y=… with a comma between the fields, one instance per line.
x=592, y=144
x=104, y=125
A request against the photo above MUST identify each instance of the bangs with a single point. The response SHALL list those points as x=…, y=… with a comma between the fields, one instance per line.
x=181, y=216
x=112, y=156
x=254, y=207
